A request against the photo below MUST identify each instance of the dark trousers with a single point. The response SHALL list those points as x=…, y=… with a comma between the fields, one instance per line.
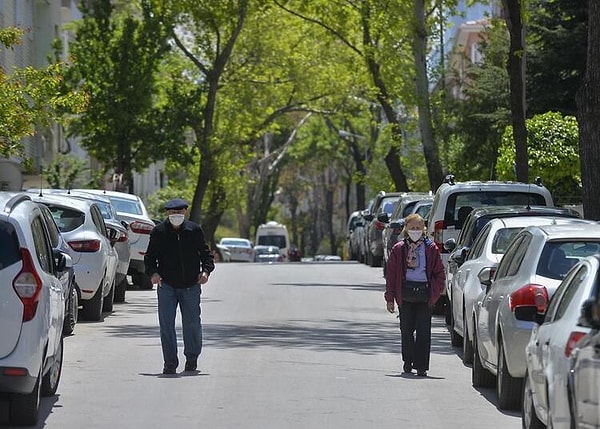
x=415, y=318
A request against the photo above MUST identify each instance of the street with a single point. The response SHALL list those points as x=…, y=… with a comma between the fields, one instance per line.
x=306, y=345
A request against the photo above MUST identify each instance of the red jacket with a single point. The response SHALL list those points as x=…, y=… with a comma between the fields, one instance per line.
x=396, y=269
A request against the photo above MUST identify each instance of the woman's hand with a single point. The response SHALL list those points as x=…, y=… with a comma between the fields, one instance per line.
x=390, y=306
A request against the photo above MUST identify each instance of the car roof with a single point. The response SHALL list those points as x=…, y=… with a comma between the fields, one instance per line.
x=518, y=221
x=498, y=211
x=575, y=229
x=110, y=193
x=64, y=200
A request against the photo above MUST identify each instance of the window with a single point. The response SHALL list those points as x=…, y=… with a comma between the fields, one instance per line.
x=479, y=244
x=42, y=246
x=565, y=293
x=98, y=220
x=519, y=255
x=507, y=258
x=503, y=238
x=9, y=251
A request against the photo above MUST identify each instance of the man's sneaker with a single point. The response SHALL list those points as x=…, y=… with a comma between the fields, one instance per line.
x=422, y=373
x=167, y=369
x=191, y=365
x=407, y=367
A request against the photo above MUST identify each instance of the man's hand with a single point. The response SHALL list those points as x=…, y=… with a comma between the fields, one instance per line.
x=156, y=280
x=390, y=306
x=203, y=278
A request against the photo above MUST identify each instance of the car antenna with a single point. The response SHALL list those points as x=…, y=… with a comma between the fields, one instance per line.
x=41, y=186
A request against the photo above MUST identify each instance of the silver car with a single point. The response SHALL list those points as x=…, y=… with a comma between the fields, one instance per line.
x=483, y=257
x=532, y=268
x=555, y=333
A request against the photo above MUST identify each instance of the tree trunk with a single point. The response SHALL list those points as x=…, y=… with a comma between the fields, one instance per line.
x=430, y=148
x=516, y=73
x=588, y=106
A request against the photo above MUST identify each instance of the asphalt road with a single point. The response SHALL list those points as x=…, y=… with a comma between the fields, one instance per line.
x=286, y=346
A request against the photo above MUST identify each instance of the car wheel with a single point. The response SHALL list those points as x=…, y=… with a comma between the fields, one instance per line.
x=467, y=344
x=92, y=308
x=24, y=408
x=107, y=304
x=508, y=388
x=120, y=290
x=143, y=281
x=52, y=377
x=72, y=312
x=529, y=417
x=455, y=338
x=480, y=376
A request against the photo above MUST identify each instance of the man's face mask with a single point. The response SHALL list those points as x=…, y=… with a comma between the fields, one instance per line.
x=176, y=219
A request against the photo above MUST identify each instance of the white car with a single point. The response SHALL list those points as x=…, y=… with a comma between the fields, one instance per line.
x=131, y=209
x=240, y=249
x=94, y=257
x=533, y=266
x=545, y=395
x=32, y=308
x=483, y=257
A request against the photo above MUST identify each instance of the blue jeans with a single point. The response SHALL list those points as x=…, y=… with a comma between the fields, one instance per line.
x=188, y=300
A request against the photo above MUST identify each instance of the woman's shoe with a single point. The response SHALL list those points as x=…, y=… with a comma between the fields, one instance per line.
x=422, y=373
x=407, y=367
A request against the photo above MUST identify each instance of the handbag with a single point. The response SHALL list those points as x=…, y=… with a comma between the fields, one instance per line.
x=415, y=291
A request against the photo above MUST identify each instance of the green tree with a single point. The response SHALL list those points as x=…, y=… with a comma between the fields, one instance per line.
x=553, y=153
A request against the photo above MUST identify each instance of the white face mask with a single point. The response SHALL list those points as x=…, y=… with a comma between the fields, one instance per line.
x=415, y=235
x=176, y=219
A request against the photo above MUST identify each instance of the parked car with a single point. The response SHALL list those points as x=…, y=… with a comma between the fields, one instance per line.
x=223, y=254
x=394, y=223
x=32, y=308
x=67, y=277
x=118, y=229
x=584, y=363
x=131, y=209
x=533, y=266
x=384, y=202
x=354, y=231
x=453, y=200
x=94, y=257
x=273, y=233
x=473, y=224
x=267, y=254
x=481, y=263
x=240, y=249
x=554, y=335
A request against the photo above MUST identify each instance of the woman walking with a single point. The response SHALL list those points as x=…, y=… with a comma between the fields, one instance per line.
x=415, y=280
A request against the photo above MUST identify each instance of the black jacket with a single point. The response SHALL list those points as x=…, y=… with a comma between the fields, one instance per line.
x=178, y=256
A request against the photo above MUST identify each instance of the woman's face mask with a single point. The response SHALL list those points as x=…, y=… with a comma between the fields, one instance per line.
x=176, y=219
x=415, y=235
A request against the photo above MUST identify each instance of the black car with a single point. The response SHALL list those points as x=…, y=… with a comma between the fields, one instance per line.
x=384, y=203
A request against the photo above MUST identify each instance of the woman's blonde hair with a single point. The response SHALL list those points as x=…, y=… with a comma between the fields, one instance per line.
x=411, y=218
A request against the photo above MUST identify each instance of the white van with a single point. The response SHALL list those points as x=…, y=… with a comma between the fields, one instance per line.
x=274, y=234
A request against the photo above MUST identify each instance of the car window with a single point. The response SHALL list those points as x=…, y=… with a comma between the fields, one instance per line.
x=466, y=233
x=503, y=238
x=272, y=240
x=423, y=210
x=53, y=231
x=508, y=257
x=98, y=220
x=388, y=205
x=241, y=243
x=126, y=206
x=518, y=257
x=558, y=257
x=564, y=294
x=479, y=244
x=9, y=250
x=66, y=219
x=41, y=244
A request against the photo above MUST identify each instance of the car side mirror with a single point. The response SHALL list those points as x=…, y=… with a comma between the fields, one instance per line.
x=62, y=261
x=383, y=217
x=359, y=223
x=369, y=217
x=485, y=277
x=590, y=314
x=396, y=225
x=450, y=244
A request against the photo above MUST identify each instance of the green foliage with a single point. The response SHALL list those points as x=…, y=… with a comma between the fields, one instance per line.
x=30, y=97
x=66, y=172
x=553, y=149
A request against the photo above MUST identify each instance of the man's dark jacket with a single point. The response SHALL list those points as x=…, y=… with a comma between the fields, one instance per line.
x=178, y=255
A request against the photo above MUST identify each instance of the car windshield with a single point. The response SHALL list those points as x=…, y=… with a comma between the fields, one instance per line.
x=558, y=257
x=237, y=243
x=126, y=206
x=272, y=240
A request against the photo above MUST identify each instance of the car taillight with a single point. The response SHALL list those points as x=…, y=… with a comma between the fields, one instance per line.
x=529, y=295
x=122, y=237
x=379, y=225
x=438, y=228
x=141, y=227
x=85, y=245
x=572, y=341
x=28, y=286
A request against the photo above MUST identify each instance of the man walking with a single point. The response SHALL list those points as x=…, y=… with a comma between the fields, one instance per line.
x=179, y=261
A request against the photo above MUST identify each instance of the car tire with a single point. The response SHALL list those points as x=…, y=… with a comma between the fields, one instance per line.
x=121, y=289
x=455, y=339
x=51, y=379
x=72, y=312
x=508, y=388
x=529, y=418
x=467, y=344
x=480, y=376
x=108, y=301
x=143, y=281
x=92, y=308
x=24, y=408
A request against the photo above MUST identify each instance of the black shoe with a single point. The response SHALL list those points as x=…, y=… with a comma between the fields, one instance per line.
x=191, y=365
x=422, y=373
x=167, y=369
x=407, y=368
